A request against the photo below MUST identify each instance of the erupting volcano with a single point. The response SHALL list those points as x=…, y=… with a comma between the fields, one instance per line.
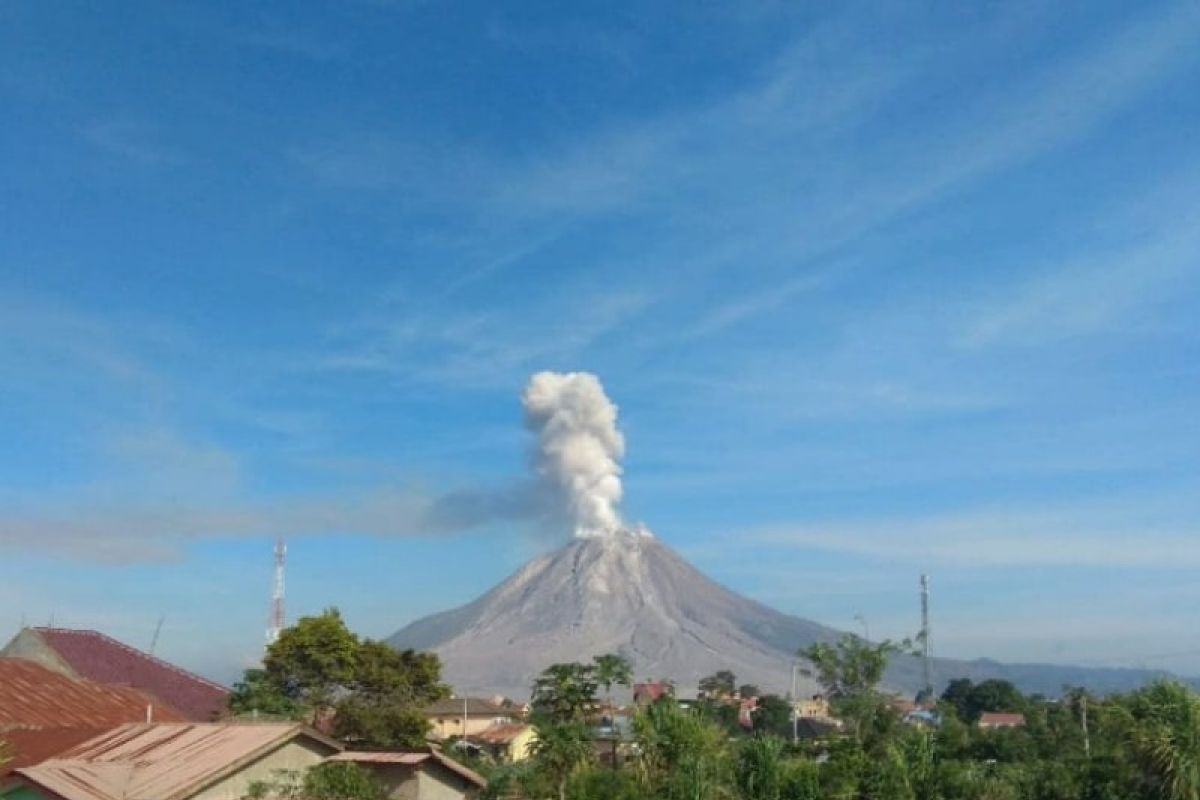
x=615, y=588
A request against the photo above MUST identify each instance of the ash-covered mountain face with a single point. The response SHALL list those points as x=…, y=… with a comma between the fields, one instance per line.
x=626, y=593
x=631, y=594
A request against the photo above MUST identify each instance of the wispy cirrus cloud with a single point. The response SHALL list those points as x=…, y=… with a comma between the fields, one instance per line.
x=133, y=141
x=1099, y=534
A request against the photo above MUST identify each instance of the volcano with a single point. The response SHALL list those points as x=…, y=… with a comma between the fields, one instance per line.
x=629, y=593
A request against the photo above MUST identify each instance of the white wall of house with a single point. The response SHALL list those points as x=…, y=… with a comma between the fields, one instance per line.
x=298, y=754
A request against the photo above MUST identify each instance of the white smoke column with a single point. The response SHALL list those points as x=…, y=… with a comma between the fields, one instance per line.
x=579, y=447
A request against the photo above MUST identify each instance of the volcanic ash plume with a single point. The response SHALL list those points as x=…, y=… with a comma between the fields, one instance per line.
x=579, y=448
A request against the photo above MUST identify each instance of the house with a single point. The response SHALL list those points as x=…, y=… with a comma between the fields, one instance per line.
x=44, y=713
x=815, y=707
x=464, y=716
x=428, y=775
x=181, y=761
x=991, y=720
x=746, y=707
x=90, y=655
x=646, y=693
x=506, y=742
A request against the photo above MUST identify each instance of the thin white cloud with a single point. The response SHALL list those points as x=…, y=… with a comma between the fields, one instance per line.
x=1100, y=535
x=133, y=141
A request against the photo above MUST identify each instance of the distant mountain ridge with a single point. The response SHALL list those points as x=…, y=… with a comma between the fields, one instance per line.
x=631, y=594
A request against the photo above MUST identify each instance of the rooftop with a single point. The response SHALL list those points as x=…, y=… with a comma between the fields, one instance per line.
x=1001, y=719
x=97, y=657
x=158, y=762
x=32, y=696
x=475, y=707
x=504, y=733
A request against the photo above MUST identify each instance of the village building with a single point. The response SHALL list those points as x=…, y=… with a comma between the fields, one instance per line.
x=506, y=742
x=646, y=693
x=90, y=655
x=464, y=716
x=180, y=761
x=419, y=776
x=991, y=720
x=815, y=707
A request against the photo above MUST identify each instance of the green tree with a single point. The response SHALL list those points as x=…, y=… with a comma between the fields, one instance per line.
x=560, y=751
x=759, y=768
x=749, y=690
x=612, y=670
x=773, y=716
x=331, y=780
x=566, y=693
x=341, y=780
x=319, y=667
x=849, y=671
x=370, y=724
x=971, y=700
x=719, y=684
x=680, y=754
x=1160, y=726
x=256, y=693
x=312, y=660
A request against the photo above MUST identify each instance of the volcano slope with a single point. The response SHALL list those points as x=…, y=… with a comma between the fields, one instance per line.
x=629, y=593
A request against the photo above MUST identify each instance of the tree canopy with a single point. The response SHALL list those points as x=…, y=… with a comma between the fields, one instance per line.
x=320, y=668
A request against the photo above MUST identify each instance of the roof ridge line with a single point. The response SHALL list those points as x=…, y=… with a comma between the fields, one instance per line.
x=130, y=648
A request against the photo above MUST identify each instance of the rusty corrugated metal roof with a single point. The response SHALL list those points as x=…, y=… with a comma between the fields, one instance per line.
x=159, y=762
x=29, y=746
x=503, y=733
x=32, y=696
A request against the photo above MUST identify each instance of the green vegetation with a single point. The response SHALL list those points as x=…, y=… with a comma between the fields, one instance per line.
x=319, y=669
x=1141, y=746
x=329, y=781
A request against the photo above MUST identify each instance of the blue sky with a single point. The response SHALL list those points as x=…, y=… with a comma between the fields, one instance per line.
x=878, y=288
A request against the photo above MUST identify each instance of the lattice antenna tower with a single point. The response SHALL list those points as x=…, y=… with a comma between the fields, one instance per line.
x=925, y=666
x=275, y=623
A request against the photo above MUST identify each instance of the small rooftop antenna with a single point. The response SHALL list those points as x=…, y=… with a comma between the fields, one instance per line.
x=157, y=631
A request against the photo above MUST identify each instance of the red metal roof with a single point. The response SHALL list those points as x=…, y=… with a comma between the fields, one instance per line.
x=101, y=658
x=650, y=691
x=504, y=733
x=1001, y=720
x=32, y=696
x=28, y=746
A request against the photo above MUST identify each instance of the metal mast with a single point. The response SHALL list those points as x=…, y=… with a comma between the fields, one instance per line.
x=275, y=624
x=925, y=635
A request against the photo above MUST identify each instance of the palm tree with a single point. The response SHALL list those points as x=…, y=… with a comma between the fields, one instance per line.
x=612, y=670
x=1161, y=723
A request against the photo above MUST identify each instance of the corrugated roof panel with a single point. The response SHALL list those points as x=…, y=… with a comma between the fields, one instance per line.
x=157, y=762
x=32, y=696
x=101, y=658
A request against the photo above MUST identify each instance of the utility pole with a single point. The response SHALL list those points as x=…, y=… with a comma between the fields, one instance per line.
x=795, y=707
x=1087, y=740
x=925, y=636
